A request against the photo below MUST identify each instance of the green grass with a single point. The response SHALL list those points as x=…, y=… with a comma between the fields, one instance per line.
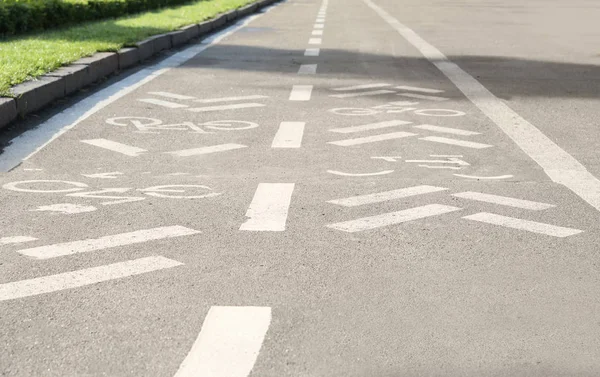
x=26, y=57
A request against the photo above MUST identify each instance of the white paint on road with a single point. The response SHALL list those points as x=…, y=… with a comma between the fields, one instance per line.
x=66, y=208
x=419, y=89
x=106, y=242
x=16, y=239
x=481, y=177
x=363, y=94
x=127, y=150
x=107, y=175
x=229, y=342
x=307, y=69
x=162, y=103
x=504, y=200
x=315, y=41
x=530, y=226
x=301, y=93
x=360, y=87
x=312, y=52
x=370, y=126
x=460, y=143
x=207, y=150
x=80, y=278
x=371, y=139
x=423, y=96
x=171, y=95
x=269, y=208
x=392, y=218
x=383, y=172
x=447, y=130
x=225, y=107
x=229, y=99
x=386, y=196
x=289, y=135
x=319, y=26
x=317, y=32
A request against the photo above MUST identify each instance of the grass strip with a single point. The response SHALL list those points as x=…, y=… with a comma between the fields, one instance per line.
x=26, y=57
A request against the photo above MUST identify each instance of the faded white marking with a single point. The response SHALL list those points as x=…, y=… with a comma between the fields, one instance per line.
x=418, y=89
x=307, y=69
x=162, y=103
x=81, y=278
x=360, y=87
x=312, y=52
x=106, y=242
x=392, y=218
x=387, y=158
x=114, y=146
x=319, y=26
x=317, y=32
x=383, y=172
x=16, y=239
x=225, y=107
x=269, y=208
x=228, y=99
x=289, y=135
x=31, y=169
x=504, y=200
x=371, y=126
x=447, y=130
x=451, y=160
x=440, y=167
x=363, y=94
x=315, y=41
x=101, y=194
x=207, y=150
x=301, y=93
x=371, y=139
x=460, y=143
x=386, y=196
x=530, y=226
x=159, y=191
x=480, y=177
x=229, y=342
x=66, y=208
x=107, y=175
x=423, y=96
x=171, y=95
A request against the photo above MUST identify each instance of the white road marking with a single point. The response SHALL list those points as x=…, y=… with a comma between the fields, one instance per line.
x=422, y=96
x=229, y=342
x=480, y=177
x=447, y=130
x=371, y=126
x=392, y=218
x=315, y=41
x=446, y=155
x=81, y=278
x=33, y=169
x=360, y=87
x=307, y=69
x=225, y=107
x=207, y=150
x=107, y=175
x=440, y=167
x=16, y=239
x=363, y=94
x=503, y=200
x=387, y=158
x=383, y=172
x=269, y=208
x=289, y=135
x=228, y=99
x=319, y=26
x=530, y=226
x=451, y=160
x=160, y=102
x=66, y=208
x=460, y=143
x=386, y=196
x=418, y=89
x=371, y=139
x=106, y=242
x=301, y=93
x=125, y=149
x=320, y=20
x=559, y=165
x=312, y=52
x=317, y=32
x=172, y=95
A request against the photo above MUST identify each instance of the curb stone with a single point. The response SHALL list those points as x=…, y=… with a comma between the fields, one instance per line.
x=34, y=95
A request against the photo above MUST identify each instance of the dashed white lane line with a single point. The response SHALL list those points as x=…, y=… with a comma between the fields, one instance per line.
x=162, y=103
x=225, y=107
x=268, y=210
x=530, y=226
x=392, y=218
x=301, y=93
x=360, y=87
x=559, y=165
x=315, y=41
x=419, y=89
x=207, y=150
x=460, y=143
x=312, y=52
x=386, y=196
x=423, y=96
x=447, y=130
x=229, y=342
x=122, y=239
x=227, y=99
x=504, y=200
x=320, y=20
x=127, y=150
x=307, y=69
x=289, y=135
x=319, y=26
x=371, y=139
x=317, y=32
x=363, y=94
x=371, y=126
x=80, y=278
x=16, y=239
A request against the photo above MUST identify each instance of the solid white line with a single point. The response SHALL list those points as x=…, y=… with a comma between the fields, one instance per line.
x=418, y=89
x=371, y=126
x=362, y=94
x=422, y=96
x=383, y=172
x=93, y=244
x=317, y=32
x=307, y=69
x=319, y=26
x=447, y=130
x=480, y=177
x=439, y=167
x=225, y=107
x=16, y=239
x=171, y=95
x=371, y=139
x=32, y=141
x=207, y=150
x=460, y=143
x=360, y=87
x=229, y=342
x=530, y=226
x=289, y=135
x=315, y=41
x=269, y=208
x=312, y=52
x=301, y=93
x=392, y=218
x=159, y=102
x=559, y=165
x=80, y=278
x=125, y=149
x=504, y=200
x=226, y=99
x=386, y=196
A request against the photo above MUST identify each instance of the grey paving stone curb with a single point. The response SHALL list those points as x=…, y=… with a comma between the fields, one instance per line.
x=34, y=95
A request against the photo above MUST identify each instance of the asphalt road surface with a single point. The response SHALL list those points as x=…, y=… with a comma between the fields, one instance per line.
x=345, y=188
